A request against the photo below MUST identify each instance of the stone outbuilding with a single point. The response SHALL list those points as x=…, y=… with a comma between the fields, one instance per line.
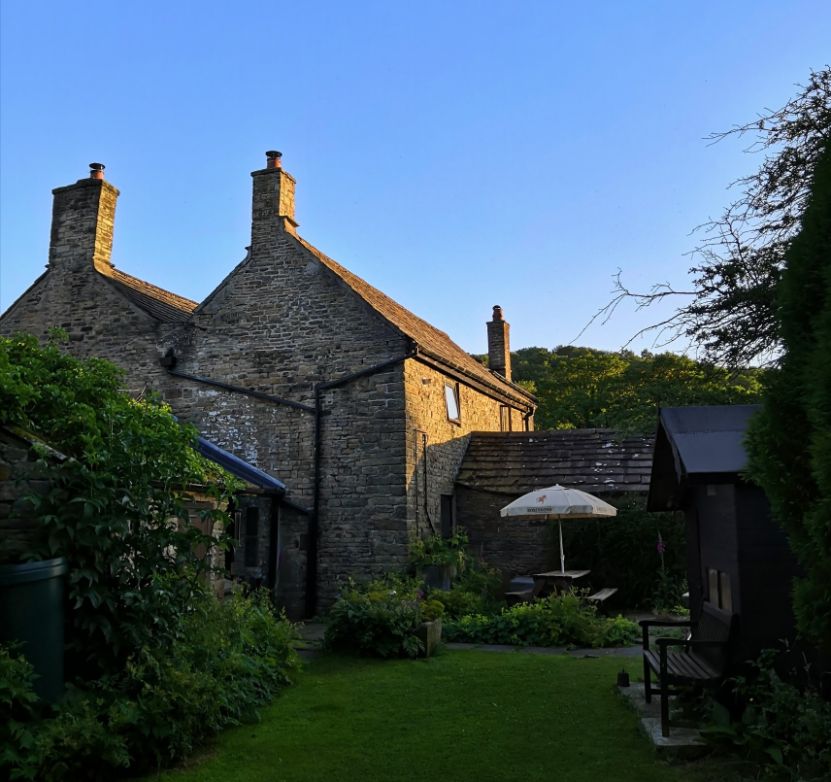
x=295, y=365
x=498, y=468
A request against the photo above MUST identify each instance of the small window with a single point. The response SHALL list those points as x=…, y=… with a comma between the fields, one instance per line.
x=504, y=418
x=719, y=592
x=712, y=586
x=447, y=521
x=725, y=597
x=451, y=401
x=252, y=530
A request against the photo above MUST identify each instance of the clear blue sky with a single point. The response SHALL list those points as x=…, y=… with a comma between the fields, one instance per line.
x=454, y=154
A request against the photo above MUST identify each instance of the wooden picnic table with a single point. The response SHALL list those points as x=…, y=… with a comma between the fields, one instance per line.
x=557, y=580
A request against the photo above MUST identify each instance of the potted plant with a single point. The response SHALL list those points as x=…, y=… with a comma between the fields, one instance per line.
x=439, y=559
x=429, y=631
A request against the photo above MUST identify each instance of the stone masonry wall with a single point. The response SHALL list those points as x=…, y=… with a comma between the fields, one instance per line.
x=98, y=319
x=516, y=546
x=446, y=441
x=19, y=475
x=281, y=324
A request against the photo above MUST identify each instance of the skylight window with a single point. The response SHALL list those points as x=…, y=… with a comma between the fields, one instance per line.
x=451, y=401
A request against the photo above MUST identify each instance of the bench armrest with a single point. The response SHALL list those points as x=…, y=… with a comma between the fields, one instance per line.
x=647, y=623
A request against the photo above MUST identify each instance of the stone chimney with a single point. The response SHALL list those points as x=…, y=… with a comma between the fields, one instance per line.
x=499, y=344
x=272, y=208
x=83, y=216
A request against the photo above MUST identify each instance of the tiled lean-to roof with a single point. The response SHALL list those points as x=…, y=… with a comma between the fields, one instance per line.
x=432, y=341
x=599, y=461
x=161, y=304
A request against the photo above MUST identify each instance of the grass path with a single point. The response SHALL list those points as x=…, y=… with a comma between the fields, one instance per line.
x=459, y=716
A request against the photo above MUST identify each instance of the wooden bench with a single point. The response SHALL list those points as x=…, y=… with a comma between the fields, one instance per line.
x=602, y=595
x=700, y=660
x=525, y=595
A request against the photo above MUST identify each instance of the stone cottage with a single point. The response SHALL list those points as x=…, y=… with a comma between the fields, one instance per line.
x=295, y=365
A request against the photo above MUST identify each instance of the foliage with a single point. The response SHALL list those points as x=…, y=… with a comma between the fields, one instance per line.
x=783, y=726
x=626, y=552
x=790, y=441
x=476, y=590
x=731, y=314
x=559, y=620
x=436, y=550
x=115, y=508
x=229, y=659
x=377, y=619
x=587, y=388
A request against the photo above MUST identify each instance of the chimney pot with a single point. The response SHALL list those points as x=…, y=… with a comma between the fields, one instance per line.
x=273, y=159
x=499, y=344
x=96, y=170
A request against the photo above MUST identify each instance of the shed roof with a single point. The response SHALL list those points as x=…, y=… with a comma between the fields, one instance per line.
x=600, y=461
x=697, y=441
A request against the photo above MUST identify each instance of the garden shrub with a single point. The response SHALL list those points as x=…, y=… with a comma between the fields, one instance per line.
x=378, y=619
x=231, y=658
x=155, y=663
x=116, y=508
x=559, y=620
x=784, y=727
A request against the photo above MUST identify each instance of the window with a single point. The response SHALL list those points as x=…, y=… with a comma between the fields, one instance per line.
x=504, y=418
x=719, y=592
x=451, y=401
x=252, y=525
x=447, y=524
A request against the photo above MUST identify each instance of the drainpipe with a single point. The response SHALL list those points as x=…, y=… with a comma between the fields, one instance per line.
x=169, y=362
x=314, y=522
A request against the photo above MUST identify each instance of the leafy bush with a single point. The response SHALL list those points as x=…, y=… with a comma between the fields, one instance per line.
x=477, y=590
x=436, y=550
x=231, y=658
x=783, y=727
x=378, y=619
x=115, y=509
x=559, y=620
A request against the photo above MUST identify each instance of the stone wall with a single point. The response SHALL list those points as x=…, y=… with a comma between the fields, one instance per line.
x=19, y=476
x=435, y=444
x=516, y=546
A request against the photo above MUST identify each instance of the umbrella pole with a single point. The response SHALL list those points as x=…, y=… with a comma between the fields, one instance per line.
x=562, y=555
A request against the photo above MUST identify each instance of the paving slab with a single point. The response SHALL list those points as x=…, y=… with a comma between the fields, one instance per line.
x=684, y=742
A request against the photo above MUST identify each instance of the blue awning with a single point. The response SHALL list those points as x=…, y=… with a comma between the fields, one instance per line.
x=241, y=469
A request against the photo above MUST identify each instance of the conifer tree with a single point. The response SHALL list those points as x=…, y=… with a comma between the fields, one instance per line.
x=790, y=441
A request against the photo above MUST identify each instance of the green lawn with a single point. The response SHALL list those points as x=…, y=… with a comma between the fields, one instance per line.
x=459, y=716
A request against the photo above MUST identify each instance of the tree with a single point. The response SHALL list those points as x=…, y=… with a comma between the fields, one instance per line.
x=585, y=388
x=790, y=441
x=116, y=507
x=730, y=314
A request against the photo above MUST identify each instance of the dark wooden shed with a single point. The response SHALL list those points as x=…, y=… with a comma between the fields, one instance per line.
x=738, y=559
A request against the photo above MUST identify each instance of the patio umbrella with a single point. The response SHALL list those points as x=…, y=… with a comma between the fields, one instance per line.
x=558, y=502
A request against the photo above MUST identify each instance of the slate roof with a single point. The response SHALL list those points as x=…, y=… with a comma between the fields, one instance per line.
x=161, y=304
x=433, y=342
x=697, y=442
x=599, y=461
